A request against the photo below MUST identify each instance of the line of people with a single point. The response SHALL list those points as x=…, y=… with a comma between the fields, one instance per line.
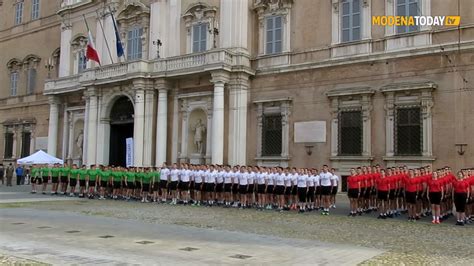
x=239, y=186
x=418, y=192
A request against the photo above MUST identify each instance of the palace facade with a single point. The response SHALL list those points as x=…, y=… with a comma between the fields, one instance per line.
x=262, y=82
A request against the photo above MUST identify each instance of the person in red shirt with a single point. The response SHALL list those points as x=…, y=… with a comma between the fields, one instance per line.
x=392, y=179
x=435, y=194
x=373, y=194
x=460, y=196
x=353, y=191
x=383, y=188
x=411, y=184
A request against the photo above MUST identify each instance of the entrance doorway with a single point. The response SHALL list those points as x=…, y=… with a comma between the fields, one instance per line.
x=121, y=128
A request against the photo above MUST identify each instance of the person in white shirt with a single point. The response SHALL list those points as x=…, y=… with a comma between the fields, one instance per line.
x=251, y=189
x=317, y=194
x=164, y=180
x=220, y=184
x=280, y=188
x=311, y=189
x=184, y=179
x=173, y=185
x=326, y=188
x=198, y=185
x=235, y=186
x=301, y=183
x=270, y=190
x=261, y=185
x=243, y=186
x=228, y=180
x=335, y=179
x=294, y=188
x=288, y=189
x=211, y=176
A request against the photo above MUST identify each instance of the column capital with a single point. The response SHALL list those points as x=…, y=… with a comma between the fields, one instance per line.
x=220, y=76
x=139, y=84
x=53, y=99
x=162, y=84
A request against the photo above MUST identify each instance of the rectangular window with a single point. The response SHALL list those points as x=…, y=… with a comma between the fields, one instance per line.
x=272, y=135
x=273, y=35
x=18, y=13
x=407, y=8
x=134, y=44
x=350, y=133
x=8, y=145
x=35, y=9
x=351, y=20
x=81, y=61
x=25, y=144
x=14, y=83
x=31, y=81
x=408, y=131
x=200, y=37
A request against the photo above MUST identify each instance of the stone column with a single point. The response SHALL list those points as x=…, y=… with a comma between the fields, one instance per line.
x=175, y=130
x=426, y=105
x=65, y=133
x=70, y=152
x=238, y=101
x=161, y=123
x=92, y=127
x=65, y=50
x=32, y=140
x=15, y=136
x=366, y=125
x=184, y=131
x=334, y=126
x=148, y=129
x=389, y=124
x=53, y=124
x=86, y=130
x=219, y=78
x=139, y=124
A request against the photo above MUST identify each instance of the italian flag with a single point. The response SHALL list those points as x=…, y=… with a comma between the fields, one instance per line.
x=91, y=52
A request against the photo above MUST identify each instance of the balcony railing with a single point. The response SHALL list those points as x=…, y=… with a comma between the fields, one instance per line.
x=163, y=67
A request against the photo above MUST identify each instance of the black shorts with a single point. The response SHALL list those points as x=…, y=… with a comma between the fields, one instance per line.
x=36, y=180
x=103, y=183
x=318, y=191
x=460, y=201
x=146, y=187
x=325, y=190
x=279, y=190
x=173, y=185
x=82, y=182
x=198, y=186
x=131, y=185
x=382, y=195
x=353, y=193
x=270, y=189
x=117, y=184
x=183, y=185
x=367, y=193
x=251, y=189
x=191, y=185
x=294, y=190
x=156, y=186
x=334, y=190
x=163, y=184
x=72, y=182
x=288, y=190
x=391, y=194
x=373, y=191
x=138, y=184
x=401, y=193
x=210, y=187
x=302, y=194
x=411, y=197
x=219, y=187
x=235, y=188
x=228, y=187
x=91, y=183
x=54, y=179
x=45, y=179
x=435, y=198
x=243, y=189
x=261, y=188
x=310, y=194
x=63, y=179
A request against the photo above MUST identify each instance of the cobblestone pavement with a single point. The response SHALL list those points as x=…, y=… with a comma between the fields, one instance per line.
x=404, y=242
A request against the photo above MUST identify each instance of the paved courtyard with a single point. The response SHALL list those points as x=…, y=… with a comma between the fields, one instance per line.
x=60, y=231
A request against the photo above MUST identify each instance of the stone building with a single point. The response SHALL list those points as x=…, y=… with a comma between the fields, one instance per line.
x=29, y=41
x=267, y=82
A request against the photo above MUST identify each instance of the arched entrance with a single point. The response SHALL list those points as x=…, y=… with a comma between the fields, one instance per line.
x=121, y=128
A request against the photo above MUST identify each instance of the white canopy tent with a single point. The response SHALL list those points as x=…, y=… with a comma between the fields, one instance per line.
x=40, y=157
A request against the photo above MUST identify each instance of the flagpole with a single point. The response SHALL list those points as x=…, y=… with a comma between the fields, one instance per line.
x=88, y=30
x=117, y=36
x=105, y=38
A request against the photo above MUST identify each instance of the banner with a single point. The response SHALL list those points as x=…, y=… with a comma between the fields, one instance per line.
x=129, y=152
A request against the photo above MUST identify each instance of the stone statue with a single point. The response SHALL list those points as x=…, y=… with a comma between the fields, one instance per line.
x=80, y=142
x=199, y=130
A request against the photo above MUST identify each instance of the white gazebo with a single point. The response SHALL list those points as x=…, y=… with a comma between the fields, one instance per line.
x=40, y=157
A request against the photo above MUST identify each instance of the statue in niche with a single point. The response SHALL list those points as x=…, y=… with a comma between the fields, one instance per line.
x=80, y=142
x=199, y=130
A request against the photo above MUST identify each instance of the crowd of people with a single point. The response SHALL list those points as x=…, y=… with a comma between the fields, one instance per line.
x=391, y=192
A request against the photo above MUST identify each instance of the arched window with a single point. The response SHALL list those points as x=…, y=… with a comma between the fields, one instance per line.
x=200, y=19
x=30, y=64
x=134, y=43
x=14, y=66
x=133, y=21
x=79, y=45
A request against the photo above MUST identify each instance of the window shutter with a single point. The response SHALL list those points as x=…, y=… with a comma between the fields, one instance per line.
x=270, y=37
x=31, y=80
x=196, y=32
x=130, y=45
x=139, y=43
x=203, y=45
x=277, y=35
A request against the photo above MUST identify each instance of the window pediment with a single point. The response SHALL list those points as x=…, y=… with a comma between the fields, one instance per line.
x=31, y=61
x=14, y=64
x=271, y=6
x=132, y=9
x=409, y=86
x=350, y=92
x=199, y=12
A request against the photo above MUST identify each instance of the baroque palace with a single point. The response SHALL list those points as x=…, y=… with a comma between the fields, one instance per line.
x=263, y=82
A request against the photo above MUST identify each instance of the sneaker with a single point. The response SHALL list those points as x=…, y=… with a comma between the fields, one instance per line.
x=433, y=222
x=438, y=222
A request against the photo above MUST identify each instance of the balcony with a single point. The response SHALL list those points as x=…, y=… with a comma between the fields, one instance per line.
x=216, y=59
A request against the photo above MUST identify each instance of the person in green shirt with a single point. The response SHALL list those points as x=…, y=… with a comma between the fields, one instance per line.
x=55, y=179
x=117, y=175
x=73, y=176
x=82, y=173
x=104, y=176
x=130, y=177
x=64, y=177
x=44, y=171
x=156, y=184
x=145, y=178
x=34, y=178
x=92, y=177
